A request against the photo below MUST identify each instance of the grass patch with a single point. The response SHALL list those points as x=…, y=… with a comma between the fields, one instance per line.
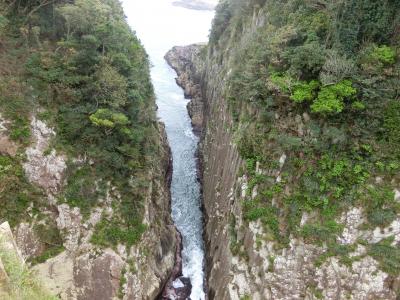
x=336, y=250
x=49, y=235
x=321, y=232
x=17, y=194
x=82, y=189
x=111, y=233
x=22, y=285
x=47, y=254
x=387, y=255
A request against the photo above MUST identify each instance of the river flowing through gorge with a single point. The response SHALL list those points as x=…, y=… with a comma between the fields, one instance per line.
x=160, y=25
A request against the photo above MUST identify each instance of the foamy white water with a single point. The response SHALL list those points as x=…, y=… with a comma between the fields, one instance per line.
x=160, y=26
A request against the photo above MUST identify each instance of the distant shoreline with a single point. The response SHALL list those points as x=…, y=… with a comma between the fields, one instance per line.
x=195, y=4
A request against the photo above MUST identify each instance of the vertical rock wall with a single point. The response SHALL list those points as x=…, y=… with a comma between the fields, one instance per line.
x=83, y=270
x=241, y=262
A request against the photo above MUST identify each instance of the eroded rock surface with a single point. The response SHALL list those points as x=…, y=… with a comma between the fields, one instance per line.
x=7, y=147
x=28, y=241
x=57, y=274
x=43, y=166
x=184, y=60
x=259, y=269
x=83, y=270
x=98, y=277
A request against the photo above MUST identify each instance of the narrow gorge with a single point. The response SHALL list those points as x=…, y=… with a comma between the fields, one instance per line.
x=255, y=161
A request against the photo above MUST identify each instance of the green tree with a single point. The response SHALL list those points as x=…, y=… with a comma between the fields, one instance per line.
x=110, y=87
x=108, y=119
x=84, y=16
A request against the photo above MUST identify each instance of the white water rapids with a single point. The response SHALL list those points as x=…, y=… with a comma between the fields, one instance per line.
x=160, y=26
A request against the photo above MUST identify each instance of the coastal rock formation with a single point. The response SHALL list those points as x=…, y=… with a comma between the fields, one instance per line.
x=84, y=271
x=184, y=60
x=242, y=259
x=44, y=169
x=85, y=166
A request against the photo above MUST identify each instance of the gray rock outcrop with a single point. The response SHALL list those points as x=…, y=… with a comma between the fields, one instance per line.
x=259, y=269
x=83, y=270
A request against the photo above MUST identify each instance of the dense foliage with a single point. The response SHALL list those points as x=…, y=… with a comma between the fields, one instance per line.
x=79, y=67
x=318, y=81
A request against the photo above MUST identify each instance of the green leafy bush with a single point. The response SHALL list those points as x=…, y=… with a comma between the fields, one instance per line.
x=106, y=118
x=282, y=82
x=331, y=98
x=110, y=86
x=306, y=60
x=358, y=105
x=384, y=54
x=327, y=102
x=304, y=91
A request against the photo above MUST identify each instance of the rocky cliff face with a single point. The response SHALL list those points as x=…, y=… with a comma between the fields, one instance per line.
x=185, y=61
x=83, y=270
x=244, y=261
x=84, y=182
x=16, y=280
x=136, y=273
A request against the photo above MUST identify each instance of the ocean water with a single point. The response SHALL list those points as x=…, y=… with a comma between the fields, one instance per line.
x=160, y=26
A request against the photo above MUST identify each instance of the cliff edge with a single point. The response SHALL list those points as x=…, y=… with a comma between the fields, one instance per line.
x=301, y=196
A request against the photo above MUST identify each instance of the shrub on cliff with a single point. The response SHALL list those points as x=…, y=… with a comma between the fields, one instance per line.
x=318, y=82
x=84, y=69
